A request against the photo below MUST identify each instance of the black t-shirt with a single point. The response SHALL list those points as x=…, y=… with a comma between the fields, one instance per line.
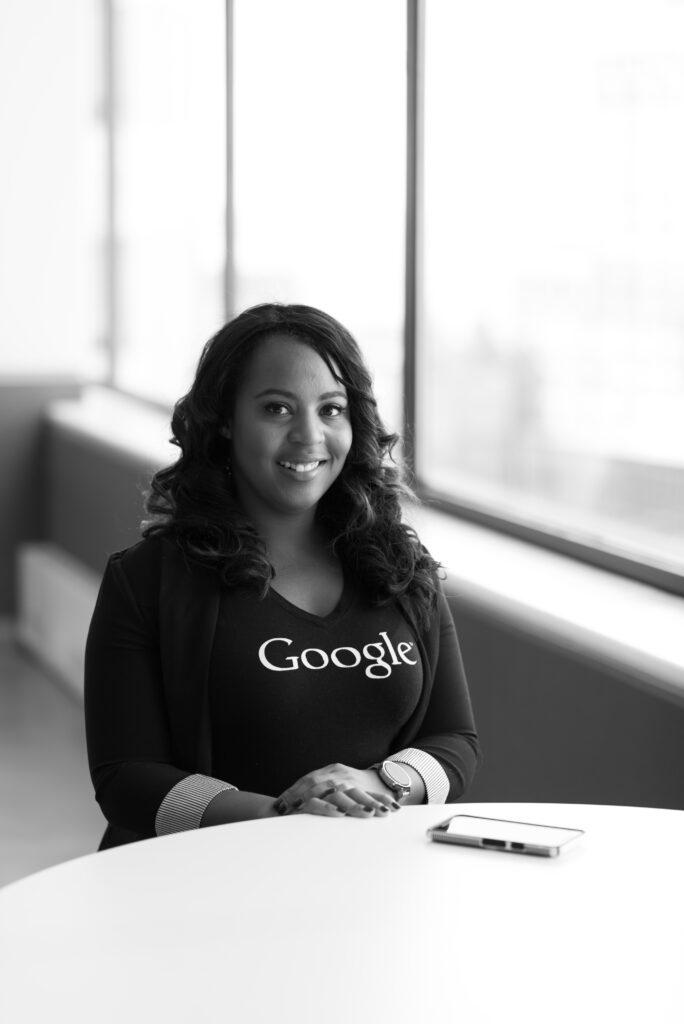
x=291, y=692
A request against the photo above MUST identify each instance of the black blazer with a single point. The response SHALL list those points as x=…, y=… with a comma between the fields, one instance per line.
x=148, y=658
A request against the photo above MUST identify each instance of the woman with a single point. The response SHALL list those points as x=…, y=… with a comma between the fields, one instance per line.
x=278, y=642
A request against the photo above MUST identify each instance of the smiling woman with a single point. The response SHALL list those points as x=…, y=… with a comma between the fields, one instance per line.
x=280, y=524
x=288, y=442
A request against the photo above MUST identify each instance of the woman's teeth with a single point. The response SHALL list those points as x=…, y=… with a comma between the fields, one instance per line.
x=300, y=467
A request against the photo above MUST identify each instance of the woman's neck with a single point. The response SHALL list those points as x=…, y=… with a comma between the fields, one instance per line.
x=290, y=537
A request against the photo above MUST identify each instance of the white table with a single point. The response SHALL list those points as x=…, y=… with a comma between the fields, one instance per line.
x=306, y=919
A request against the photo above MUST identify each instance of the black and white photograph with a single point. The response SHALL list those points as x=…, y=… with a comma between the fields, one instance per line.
x=341, y=511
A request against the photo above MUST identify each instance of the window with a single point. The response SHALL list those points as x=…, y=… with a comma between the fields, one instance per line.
x=551, y=328
x=169, y=189
x=319, y=142
x=52, y=200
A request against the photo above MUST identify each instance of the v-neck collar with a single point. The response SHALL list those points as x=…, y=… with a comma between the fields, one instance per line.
x=325, y=620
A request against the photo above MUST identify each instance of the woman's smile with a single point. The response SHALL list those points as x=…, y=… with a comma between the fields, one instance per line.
x=303, y=470
x=290, y=430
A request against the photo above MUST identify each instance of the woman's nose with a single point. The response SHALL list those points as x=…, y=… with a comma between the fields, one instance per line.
x=306, y=428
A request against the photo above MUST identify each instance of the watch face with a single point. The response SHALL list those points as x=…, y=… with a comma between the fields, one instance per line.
x=398, y=774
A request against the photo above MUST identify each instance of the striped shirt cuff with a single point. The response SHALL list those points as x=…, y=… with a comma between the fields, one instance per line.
x=183, y=806
x=430, y=771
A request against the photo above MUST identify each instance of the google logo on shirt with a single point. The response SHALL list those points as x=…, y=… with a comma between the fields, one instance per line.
x=314, y=658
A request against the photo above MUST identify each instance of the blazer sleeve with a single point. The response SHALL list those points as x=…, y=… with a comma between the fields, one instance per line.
x=129, y=748
x=447, y=732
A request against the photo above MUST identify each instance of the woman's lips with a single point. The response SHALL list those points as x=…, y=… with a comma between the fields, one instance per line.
x=302, y=467
x=301, y=470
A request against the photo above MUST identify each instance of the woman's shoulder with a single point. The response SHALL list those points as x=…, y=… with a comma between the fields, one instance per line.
x=139, y=556
x=160, y=559
x=140, y=566
x=440, y=612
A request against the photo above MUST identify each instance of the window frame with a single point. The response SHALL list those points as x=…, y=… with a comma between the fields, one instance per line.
x=545, y=537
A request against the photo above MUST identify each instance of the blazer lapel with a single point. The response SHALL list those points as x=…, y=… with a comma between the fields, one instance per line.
x=189, y=602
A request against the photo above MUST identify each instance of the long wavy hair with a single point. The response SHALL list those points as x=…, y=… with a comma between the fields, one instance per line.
x=194, y=503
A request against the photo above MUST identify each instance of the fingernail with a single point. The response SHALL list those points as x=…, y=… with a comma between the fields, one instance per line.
x=367, y=810
x=396, y=805
x=299, y=802
x=384, y=808
x=280, y=807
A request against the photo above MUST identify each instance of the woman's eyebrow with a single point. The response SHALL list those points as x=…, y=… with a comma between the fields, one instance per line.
x=290, y=394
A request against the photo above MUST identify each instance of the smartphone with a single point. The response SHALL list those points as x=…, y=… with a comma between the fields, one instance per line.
x=505, y=836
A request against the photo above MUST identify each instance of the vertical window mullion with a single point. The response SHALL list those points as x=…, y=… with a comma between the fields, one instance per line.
x=229, y=268
x=110, y=255
x=414, y=111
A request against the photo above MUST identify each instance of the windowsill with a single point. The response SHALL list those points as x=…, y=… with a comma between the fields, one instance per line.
x=126, y=426
x=630, y=627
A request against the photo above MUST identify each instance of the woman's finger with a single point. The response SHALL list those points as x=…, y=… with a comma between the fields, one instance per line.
x=317, y=806
x=289, y=801
x=304, y=788
x=335, y=800
x=315, y=782
x=296, y=796
x=359, y=803
x=387, y=801
x=370, y=801
x=355, y=808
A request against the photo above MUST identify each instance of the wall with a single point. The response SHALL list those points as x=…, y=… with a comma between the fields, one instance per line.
x=95, y=496
x=22, y=470
x=557, y=727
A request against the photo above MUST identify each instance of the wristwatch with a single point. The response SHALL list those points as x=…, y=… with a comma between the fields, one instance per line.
x=396, y=777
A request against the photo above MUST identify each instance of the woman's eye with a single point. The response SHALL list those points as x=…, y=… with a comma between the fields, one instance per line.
x=277, y=409
x=331, y=411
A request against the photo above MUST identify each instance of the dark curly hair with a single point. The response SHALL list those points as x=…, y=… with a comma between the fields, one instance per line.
x=194, y=503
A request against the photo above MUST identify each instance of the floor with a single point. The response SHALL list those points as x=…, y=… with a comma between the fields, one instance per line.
x=47, y=810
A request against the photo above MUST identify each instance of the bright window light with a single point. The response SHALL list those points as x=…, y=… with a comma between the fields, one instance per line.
x=52, y=194
x=170, y=189
x=552, y=320
x=319, y=168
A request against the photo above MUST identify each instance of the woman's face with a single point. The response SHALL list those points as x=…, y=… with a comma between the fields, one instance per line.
x=290, y=431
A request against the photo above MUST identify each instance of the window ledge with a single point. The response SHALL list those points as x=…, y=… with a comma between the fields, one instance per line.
x=128, y=427
x=628, y=626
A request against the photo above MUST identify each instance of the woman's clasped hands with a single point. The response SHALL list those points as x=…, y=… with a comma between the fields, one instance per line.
x=338, y=790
